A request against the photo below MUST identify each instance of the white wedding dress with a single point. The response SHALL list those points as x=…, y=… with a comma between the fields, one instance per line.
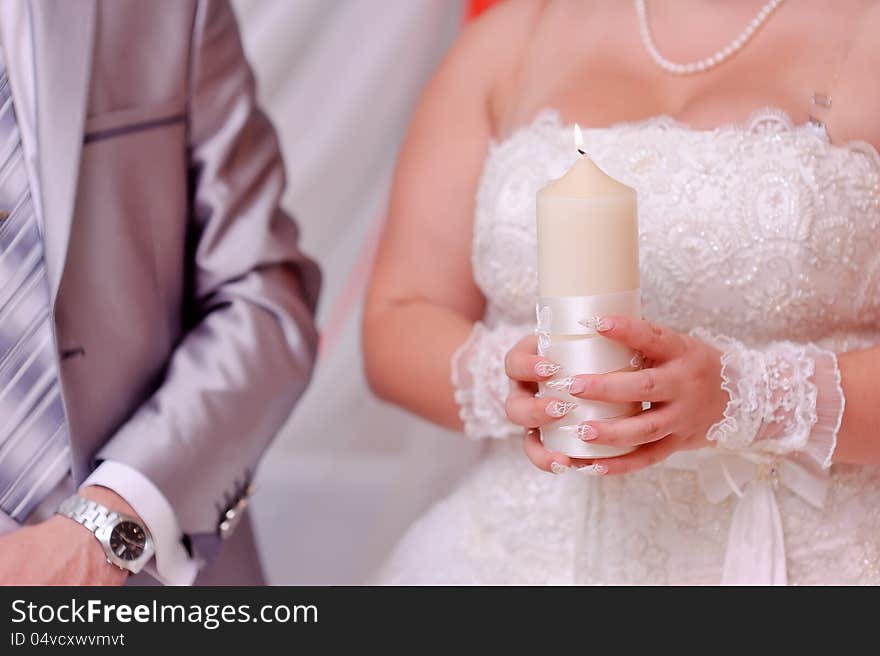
x=762, y=231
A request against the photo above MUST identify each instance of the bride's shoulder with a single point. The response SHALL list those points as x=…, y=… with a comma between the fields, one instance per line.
x=511, y=13
x=856, y=90
x=503, y=29
x=495, y=47
x=488, y=53
x=864, y=42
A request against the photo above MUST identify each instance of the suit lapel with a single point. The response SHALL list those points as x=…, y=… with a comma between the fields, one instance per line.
x=63, y=33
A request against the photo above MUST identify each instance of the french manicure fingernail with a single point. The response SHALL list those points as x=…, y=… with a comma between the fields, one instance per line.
x=572, y=385
x=545, y=369
x=591, y=324
x=560, y=408
x=593, y=470
x=559, y=385
x=586, y=432
x=604, y=324
x=557, y=468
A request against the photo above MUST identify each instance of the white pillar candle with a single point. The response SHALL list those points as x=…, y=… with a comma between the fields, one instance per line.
x=588, y=266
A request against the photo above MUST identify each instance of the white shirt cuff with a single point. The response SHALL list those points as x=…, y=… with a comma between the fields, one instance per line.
x=172, y=565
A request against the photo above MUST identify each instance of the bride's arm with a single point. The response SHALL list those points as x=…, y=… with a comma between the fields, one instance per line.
x=422, y=302
x=859, y=439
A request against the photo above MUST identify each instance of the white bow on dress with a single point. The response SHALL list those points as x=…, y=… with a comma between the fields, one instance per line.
x=755, y=545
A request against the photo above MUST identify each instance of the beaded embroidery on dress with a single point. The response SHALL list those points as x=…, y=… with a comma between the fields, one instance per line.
x=762, y=231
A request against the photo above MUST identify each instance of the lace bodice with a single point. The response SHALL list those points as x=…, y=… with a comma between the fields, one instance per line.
x=762, y=231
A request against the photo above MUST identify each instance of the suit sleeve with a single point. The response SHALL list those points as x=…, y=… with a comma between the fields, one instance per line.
x=250, y=347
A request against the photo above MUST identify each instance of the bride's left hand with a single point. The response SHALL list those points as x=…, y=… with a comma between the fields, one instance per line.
x=682, y=380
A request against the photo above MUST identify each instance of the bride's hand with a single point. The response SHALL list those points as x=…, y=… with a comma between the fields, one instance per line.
x=682, y=381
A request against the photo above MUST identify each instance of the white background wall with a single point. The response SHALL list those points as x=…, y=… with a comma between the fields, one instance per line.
x=339, y=78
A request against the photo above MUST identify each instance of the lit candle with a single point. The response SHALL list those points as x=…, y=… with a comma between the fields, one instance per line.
x=588, y=267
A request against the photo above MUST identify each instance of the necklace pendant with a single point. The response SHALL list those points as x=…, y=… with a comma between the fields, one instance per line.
x=821, y=100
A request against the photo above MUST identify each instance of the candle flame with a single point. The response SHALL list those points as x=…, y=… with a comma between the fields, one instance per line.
x=579, y=139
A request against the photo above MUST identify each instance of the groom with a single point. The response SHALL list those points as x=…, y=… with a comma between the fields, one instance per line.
x=156, y=314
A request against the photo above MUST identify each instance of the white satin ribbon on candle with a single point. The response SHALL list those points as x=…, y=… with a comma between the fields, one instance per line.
x=592, y=355
x=584, y=352
x=564, y=315
x=755, y=552
x=590, y=410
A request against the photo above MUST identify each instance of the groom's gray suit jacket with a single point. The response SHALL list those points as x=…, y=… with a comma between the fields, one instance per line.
x=183, y=307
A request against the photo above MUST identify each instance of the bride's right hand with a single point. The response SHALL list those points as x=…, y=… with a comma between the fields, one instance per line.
x=526, y=369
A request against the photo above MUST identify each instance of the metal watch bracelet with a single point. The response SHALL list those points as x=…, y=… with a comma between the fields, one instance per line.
x=89, y=513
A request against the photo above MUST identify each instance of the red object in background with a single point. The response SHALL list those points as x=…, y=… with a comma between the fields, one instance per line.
x=477, y=7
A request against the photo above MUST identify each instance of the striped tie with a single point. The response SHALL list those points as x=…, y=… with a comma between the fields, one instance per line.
x=34, y=449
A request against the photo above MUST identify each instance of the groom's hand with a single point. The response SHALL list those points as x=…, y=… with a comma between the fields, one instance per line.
x=61, y=552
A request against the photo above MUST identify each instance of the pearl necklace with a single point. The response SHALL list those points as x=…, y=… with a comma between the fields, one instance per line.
x=712, y=61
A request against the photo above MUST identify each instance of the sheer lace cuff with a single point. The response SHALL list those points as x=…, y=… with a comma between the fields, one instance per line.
x=481, y=386
x=784, y=398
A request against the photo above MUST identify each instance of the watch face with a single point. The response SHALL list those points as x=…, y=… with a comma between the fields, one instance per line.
x=128, y=540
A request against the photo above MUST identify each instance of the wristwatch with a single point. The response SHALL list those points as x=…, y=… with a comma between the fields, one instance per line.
x=126, y=542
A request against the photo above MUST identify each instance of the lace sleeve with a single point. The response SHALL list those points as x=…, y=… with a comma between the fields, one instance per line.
x=783, y=398
x=481, y=386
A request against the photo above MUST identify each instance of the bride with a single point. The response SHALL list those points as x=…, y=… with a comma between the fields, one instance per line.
x=759, y=209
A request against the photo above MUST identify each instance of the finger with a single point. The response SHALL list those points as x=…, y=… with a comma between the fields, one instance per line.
x=525, y=410
x=642, y=457
x=541, y=457
x=643, y=428
x=523, y=362
x=655, y=342
x=655, y=384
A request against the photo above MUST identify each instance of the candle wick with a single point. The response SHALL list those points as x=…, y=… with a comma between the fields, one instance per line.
x=581, y=152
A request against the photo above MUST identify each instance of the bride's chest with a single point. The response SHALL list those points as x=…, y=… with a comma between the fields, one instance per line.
x=763, y=230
